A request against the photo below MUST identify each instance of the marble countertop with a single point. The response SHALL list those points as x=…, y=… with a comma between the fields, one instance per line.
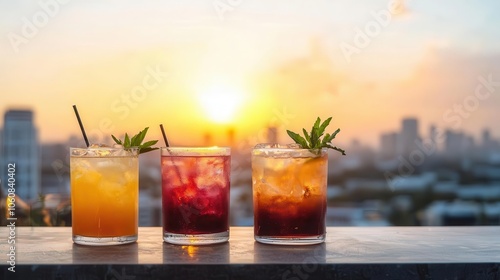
x=350, y=251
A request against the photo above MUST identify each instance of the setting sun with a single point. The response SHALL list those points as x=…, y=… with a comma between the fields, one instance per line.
x=221, y=103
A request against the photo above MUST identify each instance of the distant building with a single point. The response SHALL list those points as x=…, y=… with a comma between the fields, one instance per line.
x=489, y=148
x=433, y=133
x=457, y=213
x=231, y=137
x=20, y=147
x=388, y=145
x=479, y=192
x=55, y=169
x=414, y=183
x=149, y=210
x=368, y=213
x=207, y=139
x=457, y=144
x=492, y=213
x=408, y=136
x=272, y=134
x=486, y=139
x=433, y=136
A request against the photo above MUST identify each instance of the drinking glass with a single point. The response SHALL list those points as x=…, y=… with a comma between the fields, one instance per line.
x=289, y=194
x=195, y=191
x=104, y=195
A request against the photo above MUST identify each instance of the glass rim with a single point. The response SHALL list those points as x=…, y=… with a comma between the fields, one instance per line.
x=275, y=149
x=282, y=147
x=188, y=151
x=134, y=151
x=104, y=148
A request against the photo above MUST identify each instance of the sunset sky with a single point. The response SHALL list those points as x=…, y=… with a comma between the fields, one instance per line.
x=203, y=67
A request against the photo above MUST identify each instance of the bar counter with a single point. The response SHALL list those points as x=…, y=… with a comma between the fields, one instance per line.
x=348, y=253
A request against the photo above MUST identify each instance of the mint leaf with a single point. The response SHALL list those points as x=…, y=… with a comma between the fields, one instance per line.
x=297, y=138
x=313, y=140
x=145, y=150
x=306, y=136
x=119, y=142
x=126, y=142
x=140, y=137
x=325, y=139
x=136, y=141
x=334, y=134
x=323, y=126
x=149, y=143
x=336, y=149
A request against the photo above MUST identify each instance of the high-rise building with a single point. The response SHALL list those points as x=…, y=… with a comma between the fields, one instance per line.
x=408, y=137
x=455, y=144
x=486, y=139
x=20, y=147
x=433, y=134
x=207, y=139
x=54, y=168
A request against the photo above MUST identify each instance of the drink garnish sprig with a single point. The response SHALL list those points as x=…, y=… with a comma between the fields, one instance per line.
x=136, y=141
x=313, y=140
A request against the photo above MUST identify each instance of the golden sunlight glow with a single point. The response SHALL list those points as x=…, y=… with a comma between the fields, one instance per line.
x=191, y=250
x=221, y=103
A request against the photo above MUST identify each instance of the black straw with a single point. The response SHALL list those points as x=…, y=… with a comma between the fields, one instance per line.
x=81, y=126
x=164, y=135
x=168, y=150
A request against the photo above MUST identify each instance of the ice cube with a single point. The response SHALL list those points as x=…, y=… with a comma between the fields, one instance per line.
x=82, y=164
x=213, y=190
x=99, y=150
x=95, y=145
x=103, y=152
x=79, y=152
x=105, y=164
x=171, y=176
x=268, y=189
x=122, y=152
x=312, y=173
x=80, y=167
x=281, y=176
x=263, y=146
x=187, y=194
x=210, y=171
x=293, y=146
x=296, y=189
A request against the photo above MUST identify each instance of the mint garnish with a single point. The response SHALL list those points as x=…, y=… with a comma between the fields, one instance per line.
x=136, y=141
x=313, y=140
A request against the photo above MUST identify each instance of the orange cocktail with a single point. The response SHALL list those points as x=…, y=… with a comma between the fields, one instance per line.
x=104, y=195
x=289, y=194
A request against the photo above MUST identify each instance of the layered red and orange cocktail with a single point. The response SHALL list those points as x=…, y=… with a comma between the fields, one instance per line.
x=289, y=194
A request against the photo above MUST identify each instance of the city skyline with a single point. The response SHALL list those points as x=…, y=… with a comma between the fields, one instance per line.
x=228, y=137
x=365, y=65
x=405, y=162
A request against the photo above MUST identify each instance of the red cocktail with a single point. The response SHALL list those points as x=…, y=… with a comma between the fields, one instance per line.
x=195, y=189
